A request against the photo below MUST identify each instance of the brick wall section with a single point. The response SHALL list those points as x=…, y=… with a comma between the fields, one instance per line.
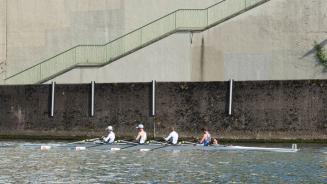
x=262, y=110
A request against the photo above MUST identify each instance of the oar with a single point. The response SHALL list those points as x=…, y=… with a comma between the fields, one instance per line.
x=6, y=146
x=102, y=143
x=158, y=142
x=135, y=144
x=97, y=144
x=77, y=142
x=128, y=142
x=91, y=140
x=166, y=145
x=163, y=143
x=187, y=142
x=132, y=144
x=85, y=140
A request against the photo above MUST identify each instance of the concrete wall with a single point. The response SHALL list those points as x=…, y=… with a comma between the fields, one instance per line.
x=166, y=60
x=271, y=42
x=262, y=110
x=40, y=29
x=3, y=32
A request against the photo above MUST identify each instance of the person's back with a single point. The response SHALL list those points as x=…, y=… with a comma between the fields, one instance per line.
x=141, y=136
x=110, y=137
x=206, y=138
x=172, y=137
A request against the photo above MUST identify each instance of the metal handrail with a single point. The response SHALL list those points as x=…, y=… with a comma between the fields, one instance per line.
x=100, y=55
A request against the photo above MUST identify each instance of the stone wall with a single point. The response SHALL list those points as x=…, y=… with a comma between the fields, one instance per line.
x=262, y=110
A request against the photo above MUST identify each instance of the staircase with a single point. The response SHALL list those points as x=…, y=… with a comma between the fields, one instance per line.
x=100, y=55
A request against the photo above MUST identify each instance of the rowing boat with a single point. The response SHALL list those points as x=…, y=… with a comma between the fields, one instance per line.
x=155, y=146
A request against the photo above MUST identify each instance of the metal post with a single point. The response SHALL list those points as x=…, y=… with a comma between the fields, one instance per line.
x=92, y=98
x=154, y=106
x=52, y=98
x=230, y=96
x=153, y=98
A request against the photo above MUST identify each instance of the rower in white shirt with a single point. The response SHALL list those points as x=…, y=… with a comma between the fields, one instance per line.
x=110, y=137
x=172, y=137
x=141, y=136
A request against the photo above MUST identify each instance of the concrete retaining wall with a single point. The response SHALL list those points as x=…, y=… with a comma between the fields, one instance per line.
x=274, y=41
x=262, y=110
x=271, y=42
x=34, y=30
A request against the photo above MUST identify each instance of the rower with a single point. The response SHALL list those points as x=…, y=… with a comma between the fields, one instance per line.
x=206, y=138
x=110, y=137
x=172, y=137
x=141, y=136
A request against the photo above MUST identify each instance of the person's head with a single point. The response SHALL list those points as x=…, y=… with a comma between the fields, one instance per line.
x=205, y=129
x=140, y=127
x=109, y=128
x=172, y=129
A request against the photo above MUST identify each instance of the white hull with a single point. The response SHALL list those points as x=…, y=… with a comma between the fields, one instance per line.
x=151, y=147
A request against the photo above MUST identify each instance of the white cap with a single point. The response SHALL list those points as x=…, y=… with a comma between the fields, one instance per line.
x=109, y=128
x=140, y=126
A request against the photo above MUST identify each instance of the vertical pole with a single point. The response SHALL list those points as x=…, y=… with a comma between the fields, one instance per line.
x=230, y=97
x=92, y=98
x=52, y=98
x=154, y=106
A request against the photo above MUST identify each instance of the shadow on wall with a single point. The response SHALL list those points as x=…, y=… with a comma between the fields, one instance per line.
x=312, y=51
x=202, y=60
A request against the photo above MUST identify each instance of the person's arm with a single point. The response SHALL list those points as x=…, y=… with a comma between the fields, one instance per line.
x=169, y=136
x=138, y=136
x=106, y=138
x=203, y=138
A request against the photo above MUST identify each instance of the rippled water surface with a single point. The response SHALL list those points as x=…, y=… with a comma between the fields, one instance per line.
x=31, y=165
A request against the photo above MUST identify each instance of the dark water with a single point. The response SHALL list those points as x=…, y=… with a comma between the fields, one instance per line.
x=28, y=165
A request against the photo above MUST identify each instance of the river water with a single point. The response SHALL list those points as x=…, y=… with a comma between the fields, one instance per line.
x=31, y=165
